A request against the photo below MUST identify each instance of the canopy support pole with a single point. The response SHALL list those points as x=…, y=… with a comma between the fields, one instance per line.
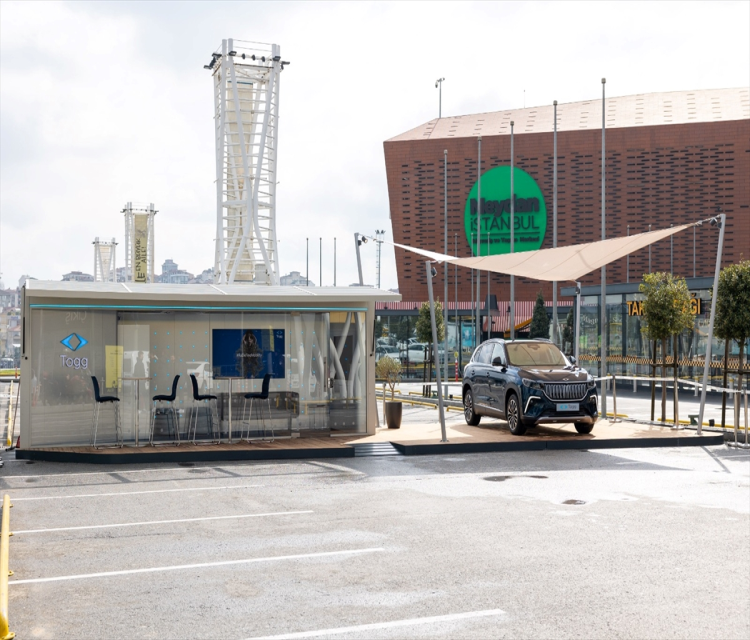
x=578, y=320
x=709, y=340
x=428, y=265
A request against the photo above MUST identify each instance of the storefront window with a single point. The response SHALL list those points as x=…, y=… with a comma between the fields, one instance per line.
x=316, y=360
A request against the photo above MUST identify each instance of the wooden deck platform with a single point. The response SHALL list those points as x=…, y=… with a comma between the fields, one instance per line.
x=286, y=449
x=494, y=435
x=411, y=439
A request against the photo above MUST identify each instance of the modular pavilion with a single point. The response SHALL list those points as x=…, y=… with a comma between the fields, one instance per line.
x=317, y=344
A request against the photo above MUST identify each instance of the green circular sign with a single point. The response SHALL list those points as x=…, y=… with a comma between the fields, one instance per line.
x=530, y=213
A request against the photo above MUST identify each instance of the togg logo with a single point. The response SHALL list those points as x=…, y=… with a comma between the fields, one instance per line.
x=74, y=363
x=74, y=342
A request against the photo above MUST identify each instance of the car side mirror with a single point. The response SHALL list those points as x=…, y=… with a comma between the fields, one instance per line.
x=572, y=359
x=498, y=362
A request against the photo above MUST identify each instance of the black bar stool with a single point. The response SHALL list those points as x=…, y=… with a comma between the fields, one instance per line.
x=206, y=399
x=173, y=420
x=99, y=400
x=263, y=395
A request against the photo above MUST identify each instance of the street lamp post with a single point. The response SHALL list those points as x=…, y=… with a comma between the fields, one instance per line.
x=627, y=262
x=603, y=309
x=439, y=85
x=478, y=332
x=445, y=265
x=554, y=222
x=512, y=240
x=379, y=239
x=455, y=296
x=358, y=240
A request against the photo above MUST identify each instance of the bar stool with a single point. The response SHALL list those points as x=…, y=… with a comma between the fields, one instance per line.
x=98, y=401
x=173, y=420
x=205, y=398
x=263, y=395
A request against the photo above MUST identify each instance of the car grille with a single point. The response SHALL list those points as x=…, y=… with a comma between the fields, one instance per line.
x=565, y=391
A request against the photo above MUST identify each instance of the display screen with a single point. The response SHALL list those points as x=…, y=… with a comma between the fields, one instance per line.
x=248, y=353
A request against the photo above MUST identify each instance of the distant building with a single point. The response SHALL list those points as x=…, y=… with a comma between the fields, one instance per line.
x=204, y=277
x=22, y=280
x=77, y=276
x=9, y=298
x=176, y=277
x=172, y=274
x=121, y=274
x=295, y=279
x=169, y=266
x=10, y=332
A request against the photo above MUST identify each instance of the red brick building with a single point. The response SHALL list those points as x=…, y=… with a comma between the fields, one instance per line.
x=671, y=158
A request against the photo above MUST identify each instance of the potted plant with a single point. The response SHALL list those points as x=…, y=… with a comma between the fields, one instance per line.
x=389, y=370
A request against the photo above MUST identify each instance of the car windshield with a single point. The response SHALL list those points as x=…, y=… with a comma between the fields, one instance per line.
x=536, y=354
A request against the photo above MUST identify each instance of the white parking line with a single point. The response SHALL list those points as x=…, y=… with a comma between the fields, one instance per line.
x=123, y=471
x=140, y=524
x=177, y=567
x=98, y=473
x=135, y=493
x=452, y=617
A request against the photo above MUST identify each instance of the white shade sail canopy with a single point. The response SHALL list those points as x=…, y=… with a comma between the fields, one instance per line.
x=562, y=263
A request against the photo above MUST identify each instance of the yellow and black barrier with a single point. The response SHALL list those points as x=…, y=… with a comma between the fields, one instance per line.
x=5, y=633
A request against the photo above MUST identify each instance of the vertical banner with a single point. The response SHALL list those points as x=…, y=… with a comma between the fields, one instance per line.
x=113, y=366
x=140, y=248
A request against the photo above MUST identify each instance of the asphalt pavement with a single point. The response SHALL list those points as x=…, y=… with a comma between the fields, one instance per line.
x=635, y=543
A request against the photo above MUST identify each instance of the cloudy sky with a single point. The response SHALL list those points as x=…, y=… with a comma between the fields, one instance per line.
x=107, y=102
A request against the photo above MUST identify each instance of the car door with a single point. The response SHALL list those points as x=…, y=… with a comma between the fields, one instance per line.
x=480, y=382
x=497, y=380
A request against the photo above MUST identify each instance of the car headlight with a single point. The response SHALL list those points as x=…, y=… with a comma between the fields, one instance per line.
x=591, y=383
x=532, y=384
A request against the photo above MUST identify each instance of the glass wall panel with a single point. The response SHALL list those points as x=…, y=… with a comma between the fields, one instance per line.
x=589, y=337
x=68, y=347
x=316, y=363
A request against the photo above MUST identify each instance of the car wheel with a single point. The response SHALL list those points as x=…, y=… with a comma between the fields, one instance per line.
x=584, y=427
x=472, y=418
x=513, y=415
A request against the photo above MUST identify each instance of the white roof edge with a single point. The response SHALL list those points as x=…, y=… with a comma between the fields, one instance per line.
x=229, y=294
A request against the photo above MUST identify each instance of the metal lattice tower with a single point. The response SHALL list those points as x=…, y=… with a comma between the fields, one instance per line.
x=105, y=261
x=246, y=109
x=139, y=239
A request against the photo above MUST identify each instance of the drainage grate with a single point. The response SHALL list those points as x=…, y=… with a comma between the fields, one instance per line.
x=375, y=449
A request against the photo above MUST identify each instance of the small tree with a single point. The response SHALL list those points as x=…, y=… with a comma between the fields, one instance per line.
x=733, y=317
x=389, y=370
x=569, y=332
x=666, y=313
x=424, y=324
x=424, y=327
x=539, y=320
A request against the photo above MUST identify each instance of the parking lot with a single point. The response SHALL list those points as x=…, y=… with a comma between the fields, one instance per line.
x=632, y=543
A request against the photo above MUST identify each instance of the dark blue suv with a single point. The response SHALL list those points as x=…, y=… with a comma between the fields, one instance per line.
x=528, y=382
